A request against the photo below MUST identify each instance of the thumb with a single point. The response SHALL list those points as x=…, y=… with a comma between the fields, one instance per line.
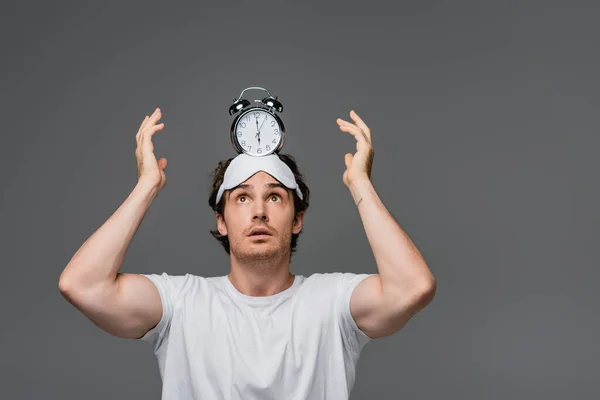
x=348, y=159
x=162, y=163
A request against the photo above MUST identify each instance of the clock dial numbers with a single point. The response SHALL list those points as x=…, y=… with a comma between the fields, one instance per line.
x=258, y=133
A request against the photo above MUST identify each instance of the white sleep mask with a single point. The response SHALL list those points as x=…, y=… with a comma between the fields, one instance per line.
x=244, y=166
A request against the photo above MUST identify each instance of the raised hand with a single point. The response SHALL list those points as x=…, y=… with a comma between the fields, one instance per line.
x=150, y=170
x=358, y=166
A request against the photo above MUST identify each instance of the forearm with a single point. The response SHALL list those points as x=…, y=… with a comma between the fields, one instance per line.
x=99, y=259
x=400, y=264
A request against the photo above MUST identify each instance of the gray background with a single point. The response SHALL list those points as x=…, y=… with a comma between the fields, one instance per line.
x=485, y=127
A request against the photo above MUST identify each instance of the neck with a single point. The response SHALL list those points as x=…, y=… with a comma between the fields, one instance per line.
x=261, y=278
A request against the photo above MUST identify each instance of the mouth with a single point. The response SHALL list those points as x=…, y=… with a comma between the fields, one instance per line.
x=259, y=236
x=259, y=233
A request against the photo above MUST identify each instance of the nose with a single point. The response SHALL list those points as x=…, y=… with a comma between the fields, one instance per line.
x=260, y=212
x=260, y=215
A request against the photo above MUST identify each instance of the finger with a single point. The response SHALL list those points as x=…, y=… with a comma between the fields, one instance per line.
x=341, y=121
x=155, y=117
x=137, y=135
x=151, y=120
x=143, y=122
x=151, y=130
x=154, y=114
x=146, y=140
x=362, y=144
x=352, y=129
x=361, y=124
x=146, y=143
x=355, y=131
x=348, y=159
x=148, y=133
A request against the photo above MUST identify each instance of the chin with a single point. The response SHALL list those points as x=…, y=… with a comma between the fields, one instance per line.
x=248, y=250
x=257, y=252
x=263, y=252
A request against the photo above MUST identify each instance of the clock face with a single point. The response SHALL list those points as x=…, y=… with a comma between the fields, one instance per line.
x=258, y=132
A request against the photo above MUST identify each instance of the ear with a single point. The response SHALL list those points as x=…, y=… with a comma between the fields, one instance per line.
x=221, y=226
x=298, y=223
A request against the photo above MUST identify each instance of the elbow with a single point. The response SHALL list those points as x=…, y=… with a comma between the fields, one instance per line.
x=67, y=289
x=63, y=285
x=427, y=292
x=66, y=282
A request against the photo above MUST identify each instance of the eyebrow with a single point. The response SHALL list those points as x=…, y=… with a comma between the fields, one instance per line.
x=248, y=186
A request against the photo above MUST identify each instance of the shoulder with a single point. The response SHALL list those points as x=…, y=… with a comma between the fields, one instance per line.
x=333, y=277
x=180, y=284
x=334, y=281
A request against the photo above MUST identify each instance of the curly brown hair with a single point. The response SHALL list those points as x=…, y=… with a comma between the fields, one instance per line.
x=300, y=205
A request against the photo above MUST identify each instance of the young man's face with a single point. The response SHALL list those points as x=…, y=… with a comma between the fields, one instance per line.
x=260, y=202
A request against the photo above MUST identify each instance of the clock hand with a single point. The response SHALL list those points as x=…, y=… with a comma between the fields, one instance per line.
x=257, y=131
x=266, y=116
x=258, y=136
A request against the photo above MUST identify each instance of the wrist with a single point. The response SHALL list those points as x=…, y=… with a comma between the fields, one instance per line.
x=146, y=187
x=360, y=188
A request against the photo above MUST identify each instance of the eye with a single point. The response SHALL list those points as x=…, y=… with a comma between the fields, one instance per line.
x=241, y=197
x=275, y=196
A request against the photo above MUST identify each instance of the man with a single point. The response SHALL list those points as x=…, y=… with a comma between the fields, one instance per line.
x=258, y=332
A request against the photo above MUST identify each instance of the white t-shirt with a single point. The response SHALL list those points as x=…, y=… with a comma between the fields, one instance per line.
x=214, y=342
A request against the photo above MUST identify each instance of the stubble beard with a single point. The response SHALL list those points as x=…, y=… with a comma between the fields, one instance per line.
x=262, y=255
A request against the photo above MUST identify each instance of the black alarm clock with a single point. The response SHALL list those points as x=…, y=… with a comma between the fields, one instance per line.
x=257, y=130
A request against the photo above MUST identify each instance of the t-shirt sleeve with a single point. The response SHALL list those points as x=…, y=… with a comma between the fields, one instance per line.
x=354, y=338
x=170, y=288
